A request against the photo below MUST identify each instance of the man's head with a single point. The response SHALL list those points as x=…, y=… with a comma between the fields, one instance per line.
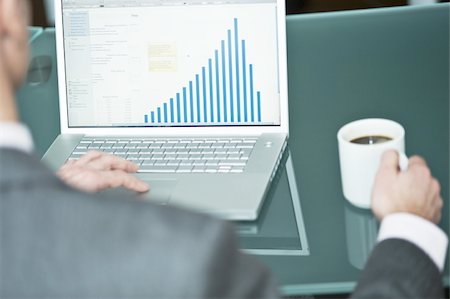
x=14, y=18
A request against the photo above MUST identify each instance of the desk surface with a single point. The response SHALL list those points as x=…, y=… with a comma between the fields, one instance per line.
x=390, y=63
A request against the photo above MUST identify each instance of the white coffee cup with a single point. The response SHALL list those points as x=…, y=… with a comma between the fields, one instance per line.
x=359, y=162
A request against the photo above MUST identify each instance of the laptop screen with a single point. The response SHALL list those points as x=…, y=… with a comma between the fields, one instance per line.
x=141, y=63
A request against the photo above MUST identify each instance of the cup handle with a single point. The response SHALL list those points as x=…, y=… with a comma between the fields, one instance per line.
x=403, y=161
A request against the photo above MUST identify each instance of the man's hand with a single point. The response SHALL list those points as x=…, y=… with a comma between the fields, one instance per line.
x=413, y=191
x=96, y=171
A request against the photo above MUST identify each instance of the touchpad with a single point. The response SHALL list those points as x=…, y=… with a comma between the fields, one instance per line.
x=160, y=190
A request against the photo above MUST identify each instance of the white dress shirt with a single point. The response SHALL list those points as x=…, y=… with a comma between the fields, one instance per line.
x=424, y=234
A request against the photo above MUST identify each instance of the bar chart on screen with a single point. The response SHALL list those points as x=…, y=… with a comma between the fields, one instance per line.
x=173, y=65
x=225, y=81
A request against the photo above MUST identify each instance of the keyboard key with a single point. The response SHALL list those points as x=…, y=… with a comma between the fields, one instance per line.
x=234, y=157
x=220, y=151
x=225, y=167
x=173, y=162
x=186, y=162
x=233, y=151
x=180, y=145
x=237, y=169
x=79, y=152
x=221, y=156
x=155, y=168
x=158, y=151
x=145, y=157
x=170, y=151
x=184, y=169
x=161, y=163
x=183, y=151
x=198, y=162
x=195, y=157
x=244, y=145
x=195, y=151
x=183, y=157
x=207, y=151
x=212, y=163
x=232, y=162
x=198, y=169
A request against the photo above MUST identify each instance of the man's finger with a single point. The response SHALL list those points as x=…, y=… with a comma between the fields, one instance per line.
x=416, y=161
x=88, y=157
x=111, y=162
x=119, y=178
x=389, y=161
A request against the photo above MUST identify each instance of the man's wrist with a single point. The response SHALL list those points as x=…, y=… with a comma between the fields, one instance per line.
x=419, y=231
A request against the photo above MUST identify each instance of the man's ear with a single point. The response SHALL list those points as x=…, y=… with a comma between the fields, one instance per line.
x=14, y=38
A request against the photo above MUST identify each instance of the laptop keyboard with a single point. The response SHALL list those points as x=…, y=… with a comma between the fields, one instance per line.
x=183, y=155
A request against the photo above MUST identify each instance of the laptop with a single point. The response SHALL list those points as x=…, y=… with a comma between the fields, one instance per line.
x=194, y=92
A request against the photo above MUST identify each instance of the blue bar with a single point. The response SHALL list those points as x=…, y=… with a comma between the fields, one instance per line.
x=178, y=108
x=204, y=95
x=191, y=97
x=184, y=105
x=230, y=66
x=259, y=106
x=244, y=77
x=145, y=118
x=197, y=89
x=165, y=112
x=211, y=89
x=238, y=91
x=224, y=81
x=171, y=111
x=159, y=114
x=217, y=85
x=252, y=109
x=152, y=116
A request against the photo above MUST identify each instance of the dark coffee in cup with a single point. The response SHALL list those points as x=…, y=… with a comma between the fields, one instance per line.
x=375, y=139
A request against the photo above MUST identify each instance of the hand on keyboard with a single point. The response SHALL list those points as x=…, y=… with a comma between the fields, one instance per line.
x=97, y=171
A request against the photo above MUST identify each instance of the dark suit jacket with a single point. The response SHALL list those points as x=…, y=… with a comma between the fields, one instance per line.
x=57, y=242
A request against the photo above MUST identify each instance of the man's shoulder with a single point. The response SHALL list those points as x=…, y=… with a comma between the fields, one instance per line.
x=25, y=180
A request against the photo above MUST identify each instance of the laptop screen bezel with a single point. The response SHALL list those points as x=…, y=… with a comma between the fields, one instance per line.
x=283, y=127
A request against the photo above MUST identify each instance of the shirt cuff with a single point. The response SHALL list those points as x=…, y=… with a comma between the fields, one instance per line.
x=422, y=233
x=16, y=136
